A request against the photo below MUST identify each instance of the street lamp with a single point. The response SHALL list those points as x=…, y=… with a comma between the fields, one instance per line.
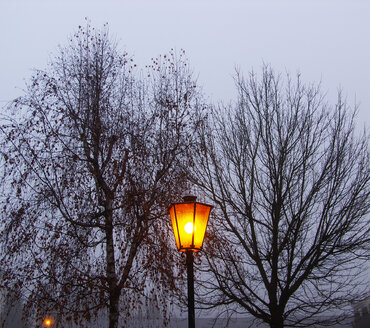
x=48, y=322
x=189, y=223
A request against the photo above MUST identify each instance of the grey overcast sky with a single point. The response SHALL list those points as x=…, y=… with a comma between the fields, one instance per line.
x=325, y=40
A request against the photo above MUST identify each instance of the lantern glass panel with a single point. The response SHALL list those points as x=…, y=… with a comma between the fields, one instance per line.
x=185, y=217
x=174, y=226
x=201, y=219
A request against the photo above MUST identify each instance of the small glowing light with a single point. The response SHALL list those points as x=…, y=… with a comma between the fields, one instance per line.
x=47, y=322
x=189, y=227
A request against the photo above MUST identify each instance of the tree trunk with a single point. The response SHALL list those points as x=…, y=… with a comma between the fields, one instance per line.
x=277, y=320
x=113, y=309
x=114, y=291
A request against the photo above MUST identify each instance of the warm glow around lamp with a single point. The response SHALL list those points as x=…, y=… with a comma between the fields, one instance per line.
x=48, y=322
x=189, y=222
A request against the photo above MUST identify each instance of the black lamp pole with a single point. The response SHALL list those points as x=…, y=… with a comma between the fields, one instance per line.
x=190, y=271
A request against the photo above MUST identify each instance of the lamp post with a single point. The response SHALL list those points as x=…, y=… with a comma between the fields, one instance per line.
x=189, y=222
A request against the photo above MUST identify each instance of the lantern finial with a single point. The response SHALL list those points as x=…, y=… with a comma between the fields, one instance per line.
x=189, y=198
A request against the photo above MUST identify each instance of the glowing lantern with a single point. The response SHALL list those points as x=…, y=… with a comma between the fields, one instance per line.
x=48, y=322
x=189, y=222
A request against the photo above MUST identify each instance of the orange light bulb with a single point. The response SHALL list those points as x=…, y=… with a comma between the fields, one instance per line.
x=189, y=227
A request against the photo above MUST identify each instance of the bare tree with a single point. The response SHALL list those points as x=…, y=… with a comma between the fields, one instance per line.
x=290, y=181
x=92, y=156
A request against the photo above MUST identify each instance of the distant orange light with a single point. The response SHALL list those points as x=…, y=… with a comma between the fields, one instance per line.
x=48, y=322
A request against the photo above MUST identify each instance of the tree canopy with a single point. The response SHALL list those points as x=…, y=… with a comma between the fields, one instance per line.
x=92, y=156
x=289, y=177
